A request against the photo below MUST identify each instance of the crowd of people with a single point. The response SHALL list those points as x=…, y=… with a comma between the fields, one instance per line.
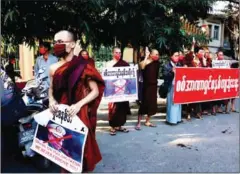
x=200, y=58
x=74, y=80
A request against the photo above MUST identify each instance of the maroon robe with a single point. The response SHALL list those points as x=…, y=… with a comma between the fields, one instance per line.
x=70, y=85
x=117, y=112
x=149, y=101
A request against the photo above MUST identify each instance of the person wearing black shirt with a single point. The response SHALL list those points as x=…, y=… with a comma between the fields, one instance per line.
x=10, y=69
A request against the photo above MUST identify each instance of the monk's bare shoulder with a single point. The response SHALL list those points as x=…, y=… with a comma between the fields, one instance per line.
x=54, y=67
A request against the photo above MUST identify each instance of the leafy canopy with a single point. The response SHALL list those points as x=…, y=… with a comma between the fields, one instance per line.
x=141, y=22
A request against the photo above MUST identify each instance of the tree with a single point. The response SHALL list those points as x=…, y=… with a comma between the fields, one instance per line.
x=232, y=25
x=140, y=22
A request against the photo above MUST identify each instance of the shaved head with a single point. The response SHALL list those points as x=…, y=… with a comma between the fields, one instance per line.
x=64, y=35
x=154, y=51
x=64, y=38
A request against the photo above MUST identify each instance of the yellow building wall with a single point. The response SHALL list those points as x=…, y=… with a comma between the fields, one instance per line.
x=26, y=62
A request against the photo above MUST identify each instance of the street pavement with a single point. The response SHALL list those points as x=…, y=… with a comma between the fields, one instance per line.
x=208, y=145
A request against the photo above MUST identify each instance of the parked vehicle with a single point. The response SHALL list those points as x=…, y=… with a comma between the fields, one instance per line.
x=35, y=97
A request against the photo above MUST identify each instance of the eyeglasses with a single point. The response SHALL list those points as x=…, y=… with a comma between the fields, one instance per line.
x=60, y=42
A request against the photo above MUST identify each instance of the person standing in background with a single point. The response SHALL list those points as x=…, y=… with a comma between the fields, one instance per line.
x=117, y=111
x=9, y=68
x=220, y=103
x=45, y=60
x=174, y=111
x=85, y=55
x=150, y=69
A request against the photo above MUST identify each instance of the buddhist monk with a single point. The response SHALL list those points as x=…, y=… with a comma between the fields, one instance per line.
x=85, y=55
x=118, y=111
x=148, y=106
x=76, y=83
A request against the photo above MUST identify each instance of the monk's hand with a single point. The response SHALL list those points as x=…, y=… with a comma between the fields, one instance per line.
x=53, y=106
x=147, y=53
x=73, y=110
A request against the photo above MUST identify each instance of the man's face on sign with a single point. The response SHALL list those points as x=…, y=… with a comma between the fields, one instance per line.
x=56, y=144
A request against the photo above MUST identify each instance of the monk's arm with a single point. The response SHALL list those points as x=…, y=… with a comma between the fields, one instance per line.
x=50, y=91
x=91, y=96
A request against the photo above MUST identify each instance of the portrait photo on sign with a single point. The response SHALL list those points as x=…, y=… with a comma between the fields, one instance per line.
x=62, y=139
x=120, y=87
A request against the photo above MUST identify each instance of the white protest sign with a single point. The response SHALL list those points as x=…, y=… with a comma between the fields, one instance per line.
x=121, y=84
x=221, y=63
x=60, y=138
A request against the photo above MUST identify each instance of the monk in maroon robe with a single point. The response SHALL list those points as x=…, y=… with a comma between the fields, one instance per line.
x=117, y=112
x=76, y=83
x=85, y=55
x=148, y=106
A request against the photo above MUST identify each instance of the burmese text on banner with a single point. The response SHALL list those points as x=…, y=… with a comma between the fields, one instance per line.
x=121, y=84
x=194, y=85
x=60, y=138
x=221, y=63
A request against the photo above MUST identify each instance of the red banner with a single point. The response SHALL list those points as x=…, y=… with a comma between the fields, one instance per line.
x=194, y=85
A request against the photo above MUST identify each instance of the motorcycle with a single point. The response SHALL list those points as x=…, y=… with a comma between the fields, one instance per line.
x=35, y=97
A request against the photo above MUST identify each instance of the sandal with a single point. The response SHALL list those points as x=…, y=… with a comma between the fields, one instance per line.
x=137, y=128
x=199, y=116
x=122, y=130
x=150, y=125
x=113, y=132
x=214, y=113
x=234, y=111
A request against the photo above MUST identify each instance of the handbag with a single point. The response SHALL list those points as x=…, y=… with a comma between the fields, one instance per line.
x=163, y=90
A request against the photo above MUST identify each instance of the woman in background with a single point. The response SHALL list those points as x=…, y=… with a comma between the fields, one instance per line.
x=174, y=111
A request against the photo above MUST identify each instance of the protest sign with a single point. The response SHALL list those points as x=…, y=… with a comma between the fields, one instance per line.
x=194, y=85
x=221, y=63
x=121, y=84
x=60, y=138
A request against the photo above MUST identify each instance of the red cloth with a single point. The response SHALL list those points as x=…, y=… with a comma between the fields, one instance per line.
x=88, y=113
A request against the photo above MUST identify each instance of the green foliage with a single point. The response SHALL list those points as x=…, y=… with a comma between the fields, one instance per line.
x=142, y=22
x=164, y=59
x=103, y=54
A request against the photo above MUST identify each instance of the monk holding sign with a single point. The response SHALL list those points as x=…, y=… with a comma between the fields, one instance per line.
x=78, y=84
x=117, y=112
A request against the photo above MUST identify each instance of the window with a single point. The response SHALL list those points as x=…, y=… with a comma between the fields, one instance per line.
x=216, y=32
x=210, y=30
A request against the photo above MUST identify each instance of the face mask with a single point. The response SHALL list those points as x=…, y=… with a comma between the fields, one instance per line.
x=60, y=50
x=155, y=58
x=181, y=57
x=117, y=56
x=13, y=61
x=220, y=57
x=85, y=57
x=42, y=51
x=200, y=56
